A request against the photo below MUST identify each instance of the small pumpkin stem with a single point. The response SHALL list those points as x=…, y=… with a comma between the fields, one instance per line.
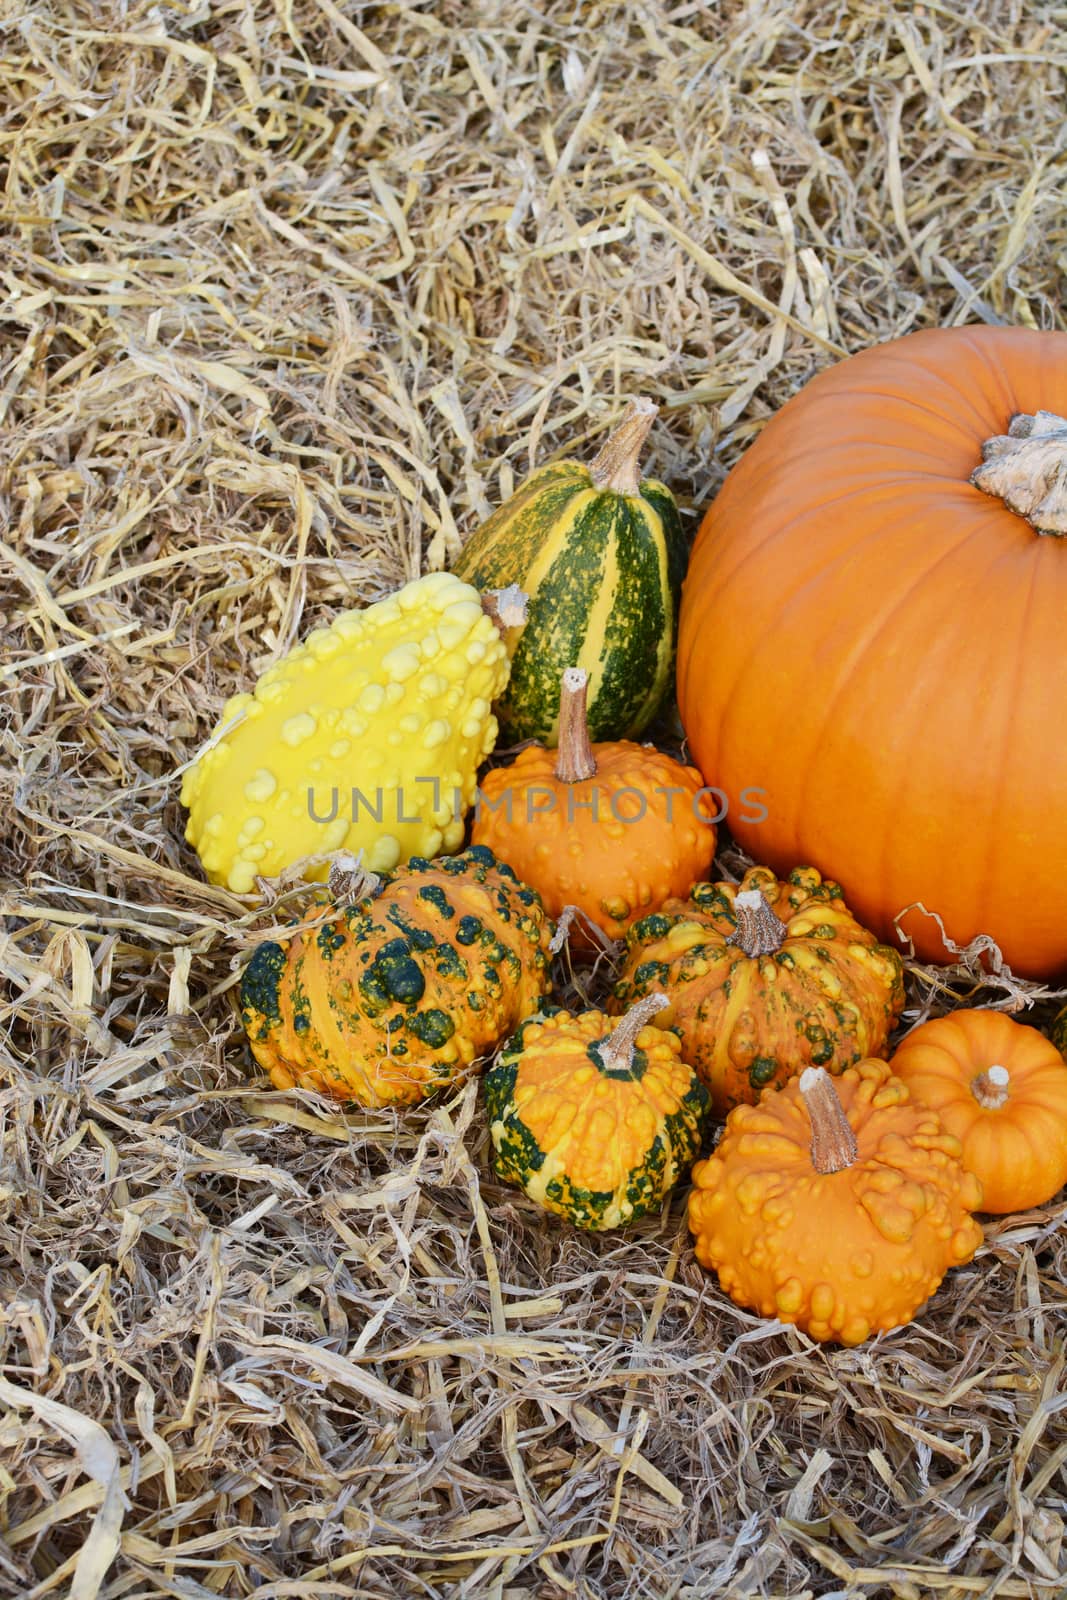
x=990, y=1088
x=760, y=931
x=616, y=465
x=617, y=1050
x=350, y=879
x=833, y=1143
x=575, y=760
x=506, y=607
x=1027, y=469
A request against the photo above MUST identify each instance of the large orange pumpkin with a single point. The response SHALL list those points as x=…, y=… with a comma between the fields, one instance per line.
x=881, y=645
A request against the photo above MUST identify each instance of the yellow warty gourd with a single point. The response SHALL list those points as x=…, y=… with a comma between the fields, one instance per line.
x=366, y=737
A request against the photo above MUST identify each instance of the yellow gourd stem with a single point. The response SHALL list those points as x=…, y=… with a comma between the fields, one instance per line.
x=506, y=608
x=351, y=880
x=833, y=1143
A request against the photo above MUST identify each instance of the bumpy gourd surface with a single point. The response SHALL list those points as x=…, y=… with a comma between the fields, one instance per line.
x=393, y=702
x=603, y=573
x=395, y=995
x=829, y=997
x=1018, y=1150
x=596, y=1145
x=618, y=844
x=850, y=1253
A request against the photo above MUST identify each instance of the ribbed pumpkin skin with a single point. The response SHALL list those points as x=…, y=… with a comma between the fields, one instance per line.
x=615, y=864
x=603, y=573
x=846, y=1254
x=598, y=1148
x=1018, y=1151
x=396, y=995
x=828, y=998
x=880, y=646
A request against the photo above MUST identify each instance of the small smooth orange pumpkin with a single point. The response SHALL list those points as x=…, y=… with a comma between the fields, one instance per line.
x=613, y=828
x=872, y=631
x=1001, y=1088
x=837, y=1204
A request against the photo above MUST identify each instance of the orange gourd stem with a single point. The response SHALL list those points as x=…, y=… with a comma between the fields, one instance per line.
x=760, y=931
x=617, y=1051
x=833, y=1143
x=575, y=761
x=1027, y=469
x=990, y=1088
x=615, y=467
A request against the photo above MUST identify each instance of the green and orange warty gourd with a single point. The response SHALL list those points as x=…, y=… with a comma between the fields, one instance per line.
x=872, y=632
x=614, y=829
x=398, y=992
x=594, y=1118
x=1001, y=1088
x=837, y=1204
x=764, y=978
x=600, y=553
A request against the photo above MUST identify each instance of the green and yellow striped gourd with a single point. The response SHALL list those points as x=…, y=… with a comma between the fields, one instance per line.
x=600, y=554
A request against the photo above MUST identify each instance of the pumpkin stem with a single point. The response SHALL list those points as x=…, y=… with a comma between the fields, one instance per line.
x=1027, y=468
x=833, y=1143
x=617, y=1050
x=990, y=1088
x=351, y=880
x=760, y=931
x=616, y=465
x=575, y=760
x=506, y=607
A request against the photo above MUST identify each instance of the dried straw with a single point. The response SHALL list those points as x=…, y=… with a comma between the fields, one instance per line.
x=292, y=294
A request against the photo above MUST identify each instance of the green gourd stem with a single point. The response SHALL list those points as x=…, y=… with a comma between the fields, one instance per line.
x=760, y=931
x=575, y=761
x=616, y=466
x=990, y=1088
x=1027, y=469
x=833, y=1143
x=617, y=1050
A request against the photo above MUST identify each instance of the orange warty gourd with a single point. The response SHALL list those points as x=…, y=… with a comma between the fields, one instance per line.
x=764, y=978
x=837, y=1204
x=1001, y=1089
x=613, y=828
x=875, y=636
